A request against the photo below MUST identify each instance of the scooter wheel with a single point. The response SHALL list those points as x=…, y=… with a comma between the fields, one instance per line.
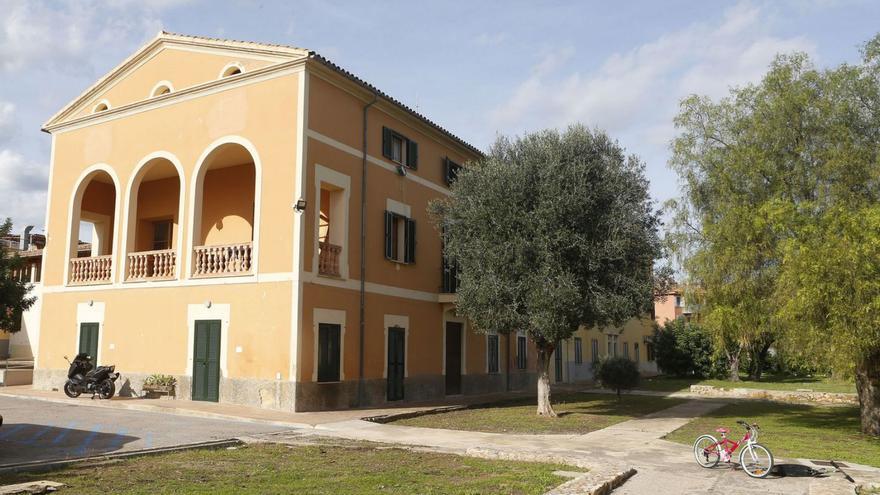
x=72, y=390
x=106, y=389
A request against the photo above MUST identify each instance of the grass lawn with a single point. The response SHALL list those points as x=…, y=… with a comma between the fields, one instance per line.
x=792, y=430
x=315, y=469
x=578, y=413
x=768, y=382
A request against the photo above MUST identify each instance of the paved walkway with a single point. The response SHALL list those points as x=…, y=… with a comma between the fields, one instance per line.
x=663, y=467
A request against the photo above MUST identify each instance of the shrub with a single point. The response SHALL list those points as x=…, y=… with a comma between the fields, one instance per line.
x=616, y=373
x=685, y=349
x=160, y=381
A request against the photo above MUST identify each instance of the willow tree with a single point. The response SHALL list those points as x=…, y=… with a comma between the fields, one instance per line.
x=551, y=231
x=780, y=221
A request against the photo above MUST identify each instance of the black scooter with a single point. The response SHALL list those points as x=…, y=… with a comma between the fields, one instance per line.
x=83, y=376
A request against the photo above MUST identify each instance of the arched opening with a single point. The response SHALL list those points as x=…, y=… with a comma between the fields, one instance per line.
x=93, y=224
x=153, y=226
x=160, y=89
x=223, y=215
x=231, y=69
x=101, y=106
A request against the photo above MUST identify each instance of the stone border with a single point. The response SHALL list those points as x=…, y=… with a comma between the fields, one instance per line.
x=802, y=396
x=390, y=418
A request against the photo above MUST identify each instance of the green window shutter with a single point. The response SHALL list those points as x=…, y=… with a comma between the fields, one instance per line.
x=412, y=154
x=409, y=255
x=88, y=340
x=389, y=236
x=386, y=142
x=329, y=350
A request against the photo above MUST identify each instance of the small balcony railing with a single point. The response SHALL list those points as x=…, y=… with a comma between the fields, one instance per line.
x=91, y=270
x=221, y=261
x=328, y=259
x=449, y=282
x=151, y=265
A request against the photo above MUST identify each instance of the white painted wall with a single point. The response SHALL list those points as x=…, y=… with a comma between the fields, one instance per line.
x=24, y=343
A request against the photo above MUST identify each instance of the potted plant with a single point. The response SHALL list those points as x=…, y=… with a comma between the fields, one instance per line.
x=156, y=386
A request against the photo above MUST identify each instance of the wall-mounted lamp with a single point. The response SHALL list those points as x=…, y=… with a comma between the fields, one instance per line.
x=300, y=205
x=401, y=170
x=208, y=304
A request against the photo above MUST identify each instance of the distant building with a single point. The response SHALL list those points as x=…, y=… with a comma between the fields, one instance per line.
x=673, y=305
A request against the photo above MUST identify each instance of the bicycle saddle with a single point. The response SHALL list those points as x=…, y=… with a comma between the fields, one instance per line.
x=722, y=430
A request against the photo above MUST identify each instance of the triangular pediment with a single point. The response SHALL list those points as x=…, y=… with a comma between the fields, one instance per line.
x=174, y=61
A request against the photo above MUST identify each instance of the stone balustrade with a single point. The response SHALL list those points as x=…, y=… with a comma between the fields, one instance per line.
x=151, y=265
x=809, y=396
x=90, y=270
x=222, y=260
x=328, y=259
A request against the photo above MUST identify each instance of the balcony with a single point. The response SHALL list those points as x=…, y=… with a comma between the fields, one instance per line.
x=91, y=270
x=151, y=265
x=223, y=260
x=328, y=259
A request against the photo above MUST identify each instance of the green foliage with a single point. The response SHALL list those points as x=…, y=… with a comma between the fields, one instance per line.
x=551, y=231
x=777, y=224
x=616, y=373
x=158, y=380
x=684, y=350
x=13, y=292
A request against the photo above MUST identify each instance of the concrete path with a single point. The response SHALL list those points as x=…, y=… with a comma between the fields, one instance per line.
x=41, y=431
x=663, y=467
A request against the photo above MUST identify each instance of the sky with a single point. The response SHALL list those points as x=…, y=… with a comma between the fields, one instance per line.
x=478, y=68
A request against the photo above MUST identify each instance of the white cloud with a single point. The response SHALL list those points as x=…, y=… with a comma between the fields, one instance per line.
x=7, y=120
x=67, y=35
x=22, y=189
x=641, y=87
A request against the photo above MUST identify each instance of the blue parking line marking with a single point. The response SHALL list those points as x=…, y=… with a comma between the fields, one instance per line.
x=64, y=432
x=10, y=430
x=88, y=440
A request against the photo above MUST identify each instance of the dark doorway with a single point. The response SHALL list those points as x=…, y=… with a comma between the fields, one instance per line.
x=88, y=340
x=206, y=361
x=453, y=357
x=396, y=356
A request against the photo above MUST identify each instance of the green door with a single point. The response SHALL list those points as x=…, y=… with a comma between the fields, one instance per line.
x=396, y=365
x=206, y=360
x=88, y=340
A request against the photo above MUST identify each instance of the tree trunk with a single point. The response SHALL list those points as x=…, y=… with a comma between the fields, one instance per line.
x=733, y=362
x=759, y=359
x=545, y=351
x=868, y=388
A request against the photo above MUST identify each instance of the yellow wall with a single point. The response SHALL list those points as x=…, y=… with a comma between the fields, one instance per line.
x=157, y=200
x=228, y=205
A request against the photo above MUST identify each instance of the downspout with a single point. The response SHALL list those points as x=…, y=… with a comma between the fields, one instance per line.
x=363, y=275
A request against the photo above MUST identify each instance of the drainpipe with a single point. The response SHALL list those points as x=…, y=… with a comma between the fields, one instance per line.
x=363, y=289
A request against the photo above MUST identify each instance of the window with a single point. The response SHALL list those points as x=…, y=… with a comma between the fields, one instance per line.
x=400, y=238
x=521, y=358
x=101, y=106
x=162, y=231
x=595, y=351
x=450, y=171
x=578, y=351
x=399, y=148
x=612, y=345
x=161, y=88
x=649, y=350
x=231, y=69
x=678, y=301
x=329, y=352
x=626, y=350
x=492, y=350
x=636, y=351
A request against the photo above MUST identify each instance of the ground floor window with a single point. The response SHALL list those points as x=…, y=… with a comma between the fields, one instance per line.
x=492, y=350
x=329, y=352
x=594, y=349
x=636, y=351
x=578, y=351
x=649, y=349
x=626, y=350
x=521, y=361
x=612, y=345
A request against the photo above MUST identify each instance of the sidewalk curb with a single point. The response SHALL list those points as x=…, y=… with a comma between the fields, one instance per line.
x=590, y=485
x=161, y=410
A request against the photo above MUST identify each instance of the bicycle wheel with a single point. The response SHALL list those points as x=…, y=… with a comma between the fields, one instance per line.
x=756, y=460
x=706, y=451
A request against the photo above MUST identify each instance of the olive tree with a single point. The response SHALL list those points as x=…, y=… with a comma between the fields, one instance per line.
x=551, y=231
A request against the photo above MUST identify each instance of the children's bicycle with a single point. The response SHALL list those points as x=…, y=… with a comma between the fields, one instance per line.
x=755, y=459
